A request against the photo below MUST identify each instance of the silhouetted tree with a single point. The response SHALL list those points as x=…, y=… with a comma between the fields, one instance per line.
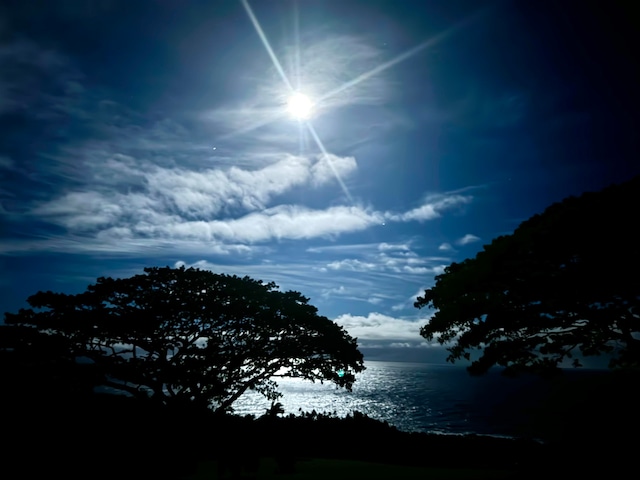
x=187, y=336
x=564, y=285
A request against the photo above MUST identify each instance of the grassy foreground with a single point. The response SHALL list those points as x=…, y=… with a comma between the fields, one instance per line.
x=321, y=469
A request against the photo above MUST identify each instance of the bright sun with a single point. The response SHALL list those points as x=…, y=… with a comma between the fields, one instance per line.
x=299, y=106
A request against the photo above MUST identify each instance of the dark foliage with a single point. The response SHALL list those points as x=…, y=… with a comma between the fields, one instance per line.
x=563, y=286
x=177, y=336
x=109, y=436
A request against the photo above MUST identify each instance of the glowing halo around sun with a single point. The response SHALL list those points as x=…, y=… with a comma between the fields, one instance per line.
x=299, y=106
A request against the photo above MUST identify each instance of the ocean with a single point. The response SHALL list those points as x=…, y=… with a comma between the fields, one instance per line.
x=418, y=397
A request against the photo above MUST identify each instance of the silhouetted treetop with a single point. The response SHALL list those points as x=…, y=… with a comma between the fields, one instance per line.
x=564, y=284
x=190, y=335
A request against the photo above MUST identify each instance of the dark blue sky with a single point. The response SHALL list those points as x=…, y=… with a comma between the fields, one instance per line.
x=156, y=133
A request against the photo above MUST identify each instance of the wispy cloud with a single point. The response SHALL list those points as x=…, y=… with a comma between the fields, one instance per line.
x=277, y=223
x=35, y=80
x=467, y=239
x=6, y=163
x=208, y=192
x=327, y=290
x=316, y=67
x=402, y=260
x=433, y=207
x=445, y=247
x=7, y=166
x=408, y=302
x=378, y=327
x=372, y=329
x=353, y=265
x=340, y=291
x=395, y=247
x=180, y=208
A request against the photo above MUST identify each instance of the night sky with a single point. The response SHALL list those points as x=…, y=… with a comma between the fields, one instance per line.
x=140, y=133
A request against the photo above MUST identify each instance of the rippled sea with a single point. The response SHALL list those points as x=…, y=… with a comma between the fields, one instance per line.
x=418, y=397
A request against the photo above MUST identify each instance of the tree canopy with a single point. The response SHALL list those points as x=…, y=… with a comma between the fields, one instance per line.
x=185, y=335
x=564, y=285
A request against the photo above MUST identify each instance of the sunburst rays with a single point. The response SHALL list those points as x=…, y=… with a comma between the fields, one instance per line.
x=300, y=106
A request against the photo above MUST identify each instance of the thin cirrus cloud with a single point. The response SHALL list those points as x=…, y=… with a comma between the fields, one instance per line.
x=52, y=88
x=6, y=163
x=432, y=208
x=359, y=291
x=467, y=239
x=397, y=259
x=319, y=68
x=352, y=264
x=378, y=274
x=409, y=301
x=373, y=329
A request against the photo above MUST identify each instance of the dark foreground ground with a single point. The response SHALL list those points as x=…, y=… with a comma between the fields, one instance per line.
x=321, y=469
x=594, y=430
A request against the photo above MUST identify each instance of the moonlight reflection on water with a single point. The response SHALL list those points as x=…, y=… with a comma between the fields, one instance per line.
x=416, y=397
